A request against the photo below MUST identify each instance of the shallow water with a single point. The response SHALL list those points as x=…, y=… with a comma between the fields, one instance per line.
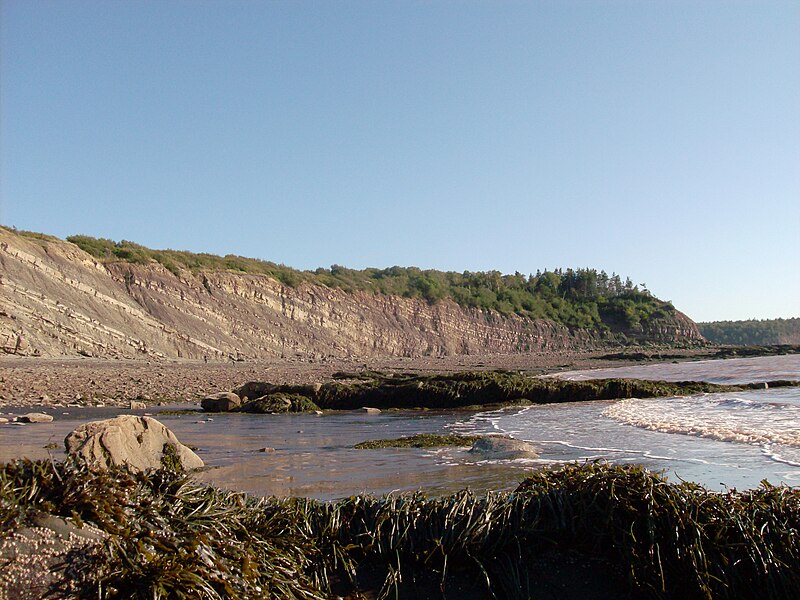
x=729, y=371
x=718, y=440
x=293, y=454
x=310, y=455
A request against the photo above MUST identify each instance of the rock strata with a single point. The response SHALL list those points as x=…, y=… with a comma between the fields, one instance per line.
x=140, y=443
x=56, y=300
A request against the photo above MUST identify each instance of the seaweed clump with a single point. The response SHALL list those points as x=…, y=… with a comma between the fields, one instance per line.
x=638, y=534
x=421, y=440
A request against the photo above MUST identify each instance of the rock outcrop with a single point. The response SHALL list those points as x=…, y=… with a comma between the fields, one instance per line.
x=139, y=443
x=503, y=448
x=56, y=300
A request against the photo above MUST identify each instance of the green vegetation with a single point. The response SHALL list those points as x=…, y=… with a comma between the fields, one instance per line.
x=32, y=235
x=170, y=459
x=621, y=528
x=582, y=298
x=754, y=332
x=421, y=440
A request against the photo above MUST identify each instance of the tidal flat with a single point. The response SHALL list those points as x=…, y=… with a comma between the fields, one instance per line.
x=351, y=522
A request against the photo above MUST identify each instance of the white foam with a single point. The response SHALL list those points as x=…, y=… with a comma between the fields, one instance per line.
x=746, y=420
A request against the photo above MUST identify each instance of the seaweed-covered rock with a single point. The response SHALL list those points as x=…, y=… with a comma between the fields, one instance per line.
x=255, y=389
x=279, y=402
x=140, y=443
x=221, y=402
x=503, y=448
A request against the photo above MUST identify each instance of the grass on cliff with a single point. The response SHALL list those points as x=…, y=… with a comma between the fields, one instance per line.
x=172, y=538
x=577, y=298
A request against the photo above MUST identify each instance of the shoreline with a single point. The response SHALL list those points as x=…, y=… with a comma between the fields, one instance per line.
x=39, y=381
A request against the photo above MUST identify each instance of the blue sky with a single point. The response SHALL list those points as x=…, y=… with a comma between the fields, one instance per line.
x=659, y=140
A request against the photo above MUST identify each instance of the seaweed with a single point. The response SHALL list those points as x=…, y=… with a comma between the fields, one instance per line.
x=482, y=388
x=169, y=537
x=420, y=440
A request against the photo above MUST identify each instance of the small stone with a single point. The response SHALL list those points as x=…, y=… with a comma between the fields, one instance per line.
x=3, y=420
x=135, y=405
x=266, y=449
x=35, y=418
x=370, y=410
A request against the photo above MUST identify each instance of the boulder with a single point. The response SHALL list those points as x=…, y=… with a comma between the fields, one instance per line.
x=307, y=389
x=258, y=389
x=140, y=443
x=222, y=402
x=255, y=389
x=503, y=448
x=35, y=418
x=279, y=402
x=3, y=420
x=269, y=403
x=370, y=410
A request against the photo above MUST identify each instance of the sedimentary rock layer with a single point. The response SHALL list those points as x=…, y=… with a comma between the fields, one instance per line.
x=57, y=300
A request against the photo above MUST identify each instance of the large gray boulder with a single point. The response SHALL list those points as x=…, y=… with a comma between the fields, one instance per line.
x=503, y=448
x=140, y=443
x=222, y=402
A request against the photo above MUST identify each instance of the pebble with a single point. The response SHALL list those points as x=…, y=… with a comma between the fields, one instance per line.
x=29, y=554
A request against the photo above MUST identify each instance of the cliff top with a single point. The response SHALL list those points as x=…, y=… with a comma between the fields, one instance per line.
x=578, y=298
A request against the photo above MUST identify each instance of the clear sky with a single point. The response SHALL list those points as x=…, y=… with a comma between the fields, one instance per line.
x=659, y=140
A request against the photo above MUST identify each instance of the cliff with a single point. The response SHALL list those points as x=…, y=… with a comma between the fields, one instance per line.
x=55, y=299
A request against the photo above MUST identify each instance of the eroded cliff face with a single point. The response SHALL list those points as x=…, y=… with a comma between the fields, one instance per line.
x=57, y=300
